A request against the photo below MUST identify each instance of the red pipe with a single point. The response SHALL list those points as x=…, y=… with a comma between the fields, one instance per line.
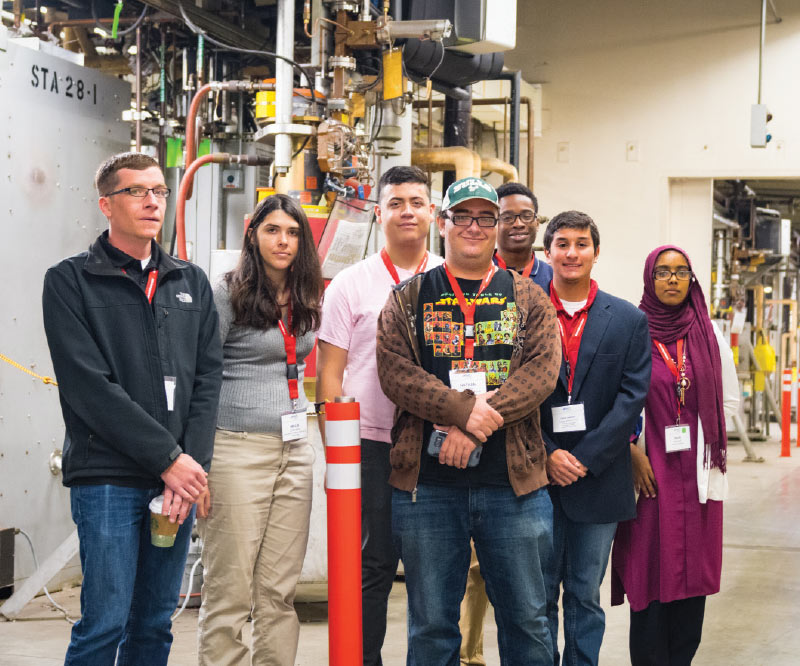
x=186, y=185
x=191, y=116
x=191, y=120
x=183, y=190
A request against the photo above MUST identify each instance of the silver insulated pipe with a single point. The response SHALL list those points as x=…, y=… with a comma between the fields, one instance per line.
x=284, y=84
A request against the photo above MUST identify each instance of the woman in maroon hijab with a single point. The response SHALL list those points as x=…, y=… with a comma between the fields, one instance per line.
x=669, y=558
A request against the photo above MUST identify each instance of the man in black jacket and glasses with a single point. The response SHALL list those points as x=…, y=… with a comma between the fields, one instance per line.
x=134, y=340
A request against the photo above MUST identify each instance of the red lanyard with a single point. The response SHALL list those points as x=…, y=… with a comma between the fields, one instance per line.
x=150, y=289
x=152, y=282
x=526, y=272
x=572, y=346
x=678, y=371
x=393, y=271
x=568, y=345
x=290, y=343
x=469, y=312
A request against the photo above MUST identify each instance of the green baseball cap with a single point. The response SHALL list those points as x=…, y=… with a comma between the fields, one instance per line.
x=468, y=188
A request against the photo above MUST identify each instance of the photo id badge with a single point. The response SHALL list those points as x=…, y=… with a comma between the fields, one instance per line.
x=677, y=438
x=169, y=389
x=294, y=425
x=569, y=418
x=461, y=380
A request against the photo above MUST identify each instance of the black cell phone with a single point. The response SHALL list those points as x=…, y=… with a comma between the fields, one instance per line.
x=475, y=456
x=435, y=442
x=435, y=445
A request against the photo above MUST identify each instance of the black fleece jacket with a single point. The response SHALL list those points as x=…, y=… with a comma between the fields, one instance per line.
x=111, y=352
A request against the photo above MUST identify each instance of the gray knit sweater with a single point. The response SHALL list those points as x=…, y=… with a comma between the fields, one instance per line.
x=255, y=391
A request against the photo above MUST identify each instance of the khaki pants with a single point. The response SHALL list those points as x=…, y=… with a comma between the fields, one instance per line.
x=473, y=611
x=254, y=542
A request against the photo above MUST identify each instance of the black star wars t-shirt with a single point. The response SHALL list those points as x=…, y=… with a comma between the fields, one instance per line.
x=440, y=331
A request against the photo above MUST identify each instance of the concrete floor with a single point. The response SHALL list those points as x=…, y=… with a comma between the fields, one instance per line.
x=754, y=621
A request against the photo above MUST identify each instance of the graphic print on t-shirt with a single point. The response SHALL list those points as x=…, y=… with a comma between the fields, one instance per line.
x=440, y=335
x=445, y=337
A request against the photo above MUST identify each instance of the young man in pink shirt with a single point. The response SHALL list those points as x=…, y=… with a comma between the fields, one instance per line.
x=346, y=366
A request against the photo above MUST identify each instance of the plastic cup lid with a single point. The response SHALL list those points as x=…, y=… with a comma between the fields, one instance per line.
x=157, y=504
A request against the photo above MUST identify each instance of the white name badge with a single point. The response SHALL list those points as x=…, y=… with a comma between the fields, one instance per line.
x=294, y=425
x=462, y=380
x=569, y=418
x=677, y=438
x=169, y=389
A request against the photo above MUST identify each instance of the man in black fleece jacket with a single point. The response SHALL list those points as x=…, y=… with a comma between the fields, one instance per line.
x=134, y=339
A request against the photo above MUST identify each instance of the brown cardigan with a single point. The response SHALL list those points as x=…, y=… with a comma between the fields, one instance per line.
x=420, y=395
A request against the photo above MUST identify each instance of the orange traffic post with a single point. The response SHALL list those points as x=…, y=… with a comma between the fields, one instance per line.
x=786, y=414
x=343, y=446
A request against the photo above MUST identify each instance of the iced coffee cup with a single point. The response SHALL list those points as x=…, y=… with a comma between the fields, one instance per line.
x=162, y=532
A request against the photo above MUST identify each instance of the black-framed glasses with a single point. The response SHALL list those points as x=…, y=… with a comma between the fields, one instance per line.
x=526, y=216
x=141, y=192
x=461, y=220
x=663, y=274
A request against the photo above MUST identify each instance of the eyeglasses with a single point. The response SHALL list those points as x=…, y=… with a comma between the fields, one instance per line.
x=466, y=220
x=527, y=216
x=141, y=192
x=662, y=274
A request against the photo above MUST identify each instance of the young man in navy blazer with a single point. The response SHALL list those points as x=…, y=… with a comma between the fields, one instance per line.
x=586, y=425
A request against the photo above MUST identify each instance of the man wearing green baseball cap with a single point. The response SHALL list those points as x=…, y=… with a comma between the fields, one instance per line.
x=468, y=351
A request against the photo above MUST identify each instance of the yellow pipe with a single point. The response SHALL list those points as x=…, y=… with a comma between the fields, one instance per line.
x=282, y=184
x=477, y=166
x=759, y=294
x=464, y=161
x=792, y=333
x=507, y=171
x=785, y=344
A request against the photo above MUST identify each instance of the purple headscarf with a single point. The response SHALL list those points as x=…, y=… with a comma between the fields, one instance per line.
x=690, y=319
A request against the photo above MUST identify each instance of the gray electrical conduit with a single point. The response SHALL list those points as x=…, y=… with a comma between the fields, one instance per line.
x=188, y=590
x=59, y=607
x=44, y=587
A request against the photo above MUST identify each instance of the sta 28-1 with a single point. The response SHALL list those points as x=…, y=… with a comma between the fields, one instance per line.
x=49, y=81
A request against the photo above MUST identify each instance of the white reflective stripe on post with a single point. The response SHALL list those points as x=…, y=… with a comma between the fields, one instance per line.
x=344, y=476
x=342, y=433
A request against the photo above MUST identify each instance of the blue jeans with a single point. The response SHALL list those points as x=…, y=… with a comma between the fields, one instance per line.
x=580, y=558
x=513, y=540
x=130, y=587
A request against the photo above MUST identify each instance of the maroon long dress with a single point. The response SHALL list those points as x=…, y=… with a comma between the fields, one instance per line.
x=673, y=549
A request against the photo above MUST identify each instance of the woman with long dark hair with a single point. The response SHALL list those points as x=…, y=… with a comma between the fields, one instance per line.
x=669, y=558
x=255, y=523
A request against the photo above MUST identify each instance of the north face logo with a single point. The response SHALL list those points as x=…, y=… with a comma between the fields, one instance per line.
x=183, y=297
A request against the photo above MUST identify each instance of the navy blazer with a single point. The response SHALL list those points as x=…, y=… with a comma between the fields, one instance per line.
x=612, y=378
